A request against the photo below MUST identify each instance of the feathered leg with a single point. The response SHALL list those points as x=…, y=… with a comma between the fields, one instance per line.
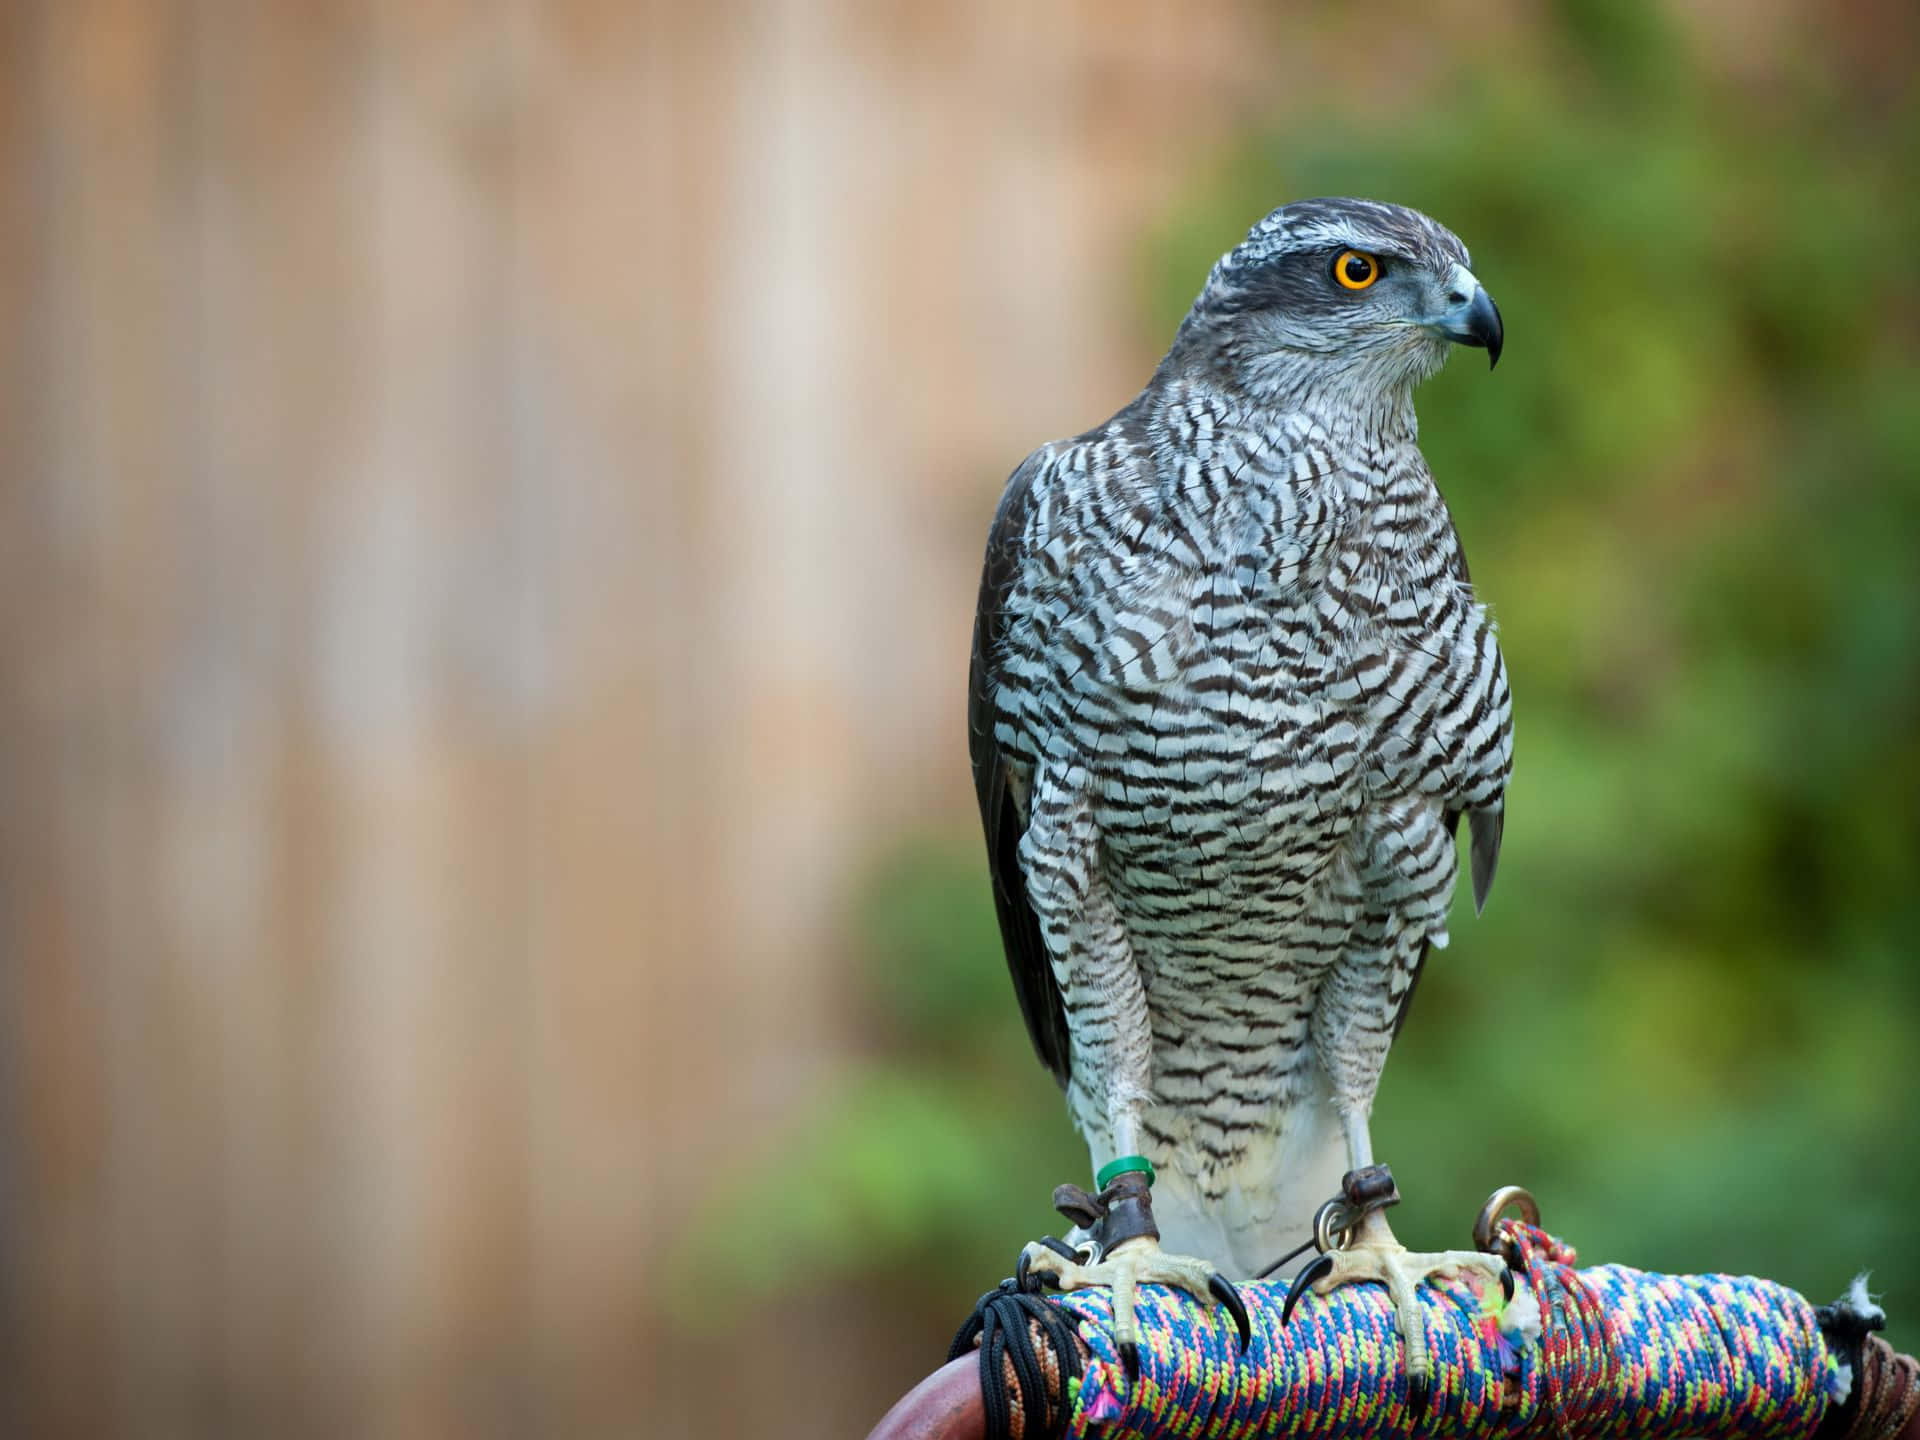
x=1352, y=1027
x=1112, y=1048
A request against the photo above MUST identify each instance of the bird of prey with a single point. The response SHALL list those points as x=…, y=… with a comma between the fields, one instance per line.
x=1231, y=693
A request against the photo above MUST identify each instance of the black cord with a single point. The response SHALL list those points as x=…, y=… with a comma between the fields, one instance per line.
x=1001, y=1321
x=1300, y=1249
x=1846, y=1327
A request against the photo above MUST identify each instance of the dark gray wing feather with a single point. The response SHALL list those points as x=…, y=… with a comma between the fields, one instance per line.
x=1483, y=826
x=1041, y=1002
x=1452, y=821
x=1486, y=827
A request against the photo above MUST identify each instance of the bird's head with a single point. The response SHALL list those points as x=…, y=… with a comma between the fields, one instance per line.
x=1347, y=294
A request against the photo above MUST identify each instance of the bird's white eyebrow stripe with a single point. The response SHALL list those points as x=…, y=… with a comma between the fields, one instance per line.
x=1341, y=235
x=1335, y=224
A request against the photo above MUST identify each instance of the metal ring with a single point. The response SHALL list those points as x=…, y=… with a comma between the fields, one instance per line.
x=1332, y=1226
x=1498, y=1201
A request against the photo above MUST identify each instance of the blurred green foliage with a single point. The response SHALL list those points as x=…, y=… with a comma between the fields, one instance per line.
x=1690, y=1018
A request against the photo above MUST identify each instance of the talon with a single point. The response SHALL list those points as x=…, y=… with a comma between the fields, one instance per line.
x=1506, y=1282
x=1032, y=1280
x=1419, y=1393
x=1224, y=1291
x=1319, y=1269
x=1130, y=1359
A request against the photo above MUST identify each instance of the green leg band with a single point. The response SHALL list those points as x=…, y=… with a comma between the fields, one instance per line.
x=1120, y=1166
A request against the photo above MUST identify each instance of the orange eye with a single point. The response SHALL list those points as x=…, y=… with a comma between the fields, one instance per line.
x=1355, y=270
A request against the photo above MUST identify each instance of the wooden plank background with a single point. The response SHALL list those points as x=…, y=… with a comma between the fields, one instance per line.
x=489, y=513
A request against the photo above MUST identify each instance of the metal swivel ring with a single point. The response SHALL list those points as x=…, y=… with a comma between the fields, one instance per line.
x=1500, y=1200
x=1332, y=1226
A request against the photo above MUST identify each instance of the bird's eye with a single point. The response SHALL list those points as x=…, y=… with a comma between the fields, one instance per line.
x=1356, y=270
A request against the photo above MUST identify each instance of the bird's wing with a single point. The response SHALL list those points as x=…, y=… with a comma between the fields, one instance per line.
x=1484, y=827
x=1000, y=807
x=1485, y=823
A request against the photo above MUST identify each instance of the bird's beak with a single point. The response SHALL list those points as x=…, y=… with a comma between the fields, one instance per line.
x=1475, y=321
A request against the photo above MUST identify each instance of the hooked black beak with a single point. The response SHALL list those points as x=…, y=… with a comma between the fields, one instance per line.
x=1477, y=322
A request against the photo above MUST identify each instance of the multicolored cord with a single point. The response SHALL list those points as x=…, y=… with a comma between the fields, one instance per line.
x=1604, y=1352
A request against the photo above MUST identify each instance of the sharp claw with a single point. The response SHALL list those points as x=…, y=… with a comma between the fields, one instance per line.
x=1130, y=1359
x=1419, y=1393
x=1506, y=1282
x=1030, y=1280
x=1224, y=1291
x=1319, y=1268
x=1026, y=1277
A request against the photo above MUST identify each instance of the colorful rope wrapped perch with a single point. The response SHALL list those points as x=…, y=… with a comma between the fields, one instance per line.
x=1607, y=1351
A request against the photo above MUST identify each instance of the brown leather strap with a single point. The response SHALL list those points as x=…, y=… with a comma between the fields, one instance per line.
x=1128, y=1199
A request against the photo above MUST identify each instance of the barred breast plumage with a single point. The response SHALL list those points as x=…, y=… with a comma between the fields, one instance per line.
x=1232, y=691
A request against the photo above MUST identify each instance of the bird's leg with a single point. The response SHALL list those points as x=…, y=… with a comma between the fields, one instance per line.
x=1112, y=1038
x=1126, y=1244
x=1372, y=1253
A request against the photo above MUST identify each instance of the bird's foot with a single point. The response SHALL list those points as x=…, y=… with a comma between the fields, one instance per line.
x=1131, y=1264
x=1123, y=1251
x=1373, y=1254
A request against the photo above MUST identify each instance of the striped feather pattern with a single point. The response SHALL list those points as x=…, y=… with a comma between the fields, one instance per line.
x=1233, y=680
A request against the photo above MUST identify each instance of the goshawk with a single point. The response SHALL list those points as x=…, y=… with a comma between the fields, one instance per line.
x=1232, y=691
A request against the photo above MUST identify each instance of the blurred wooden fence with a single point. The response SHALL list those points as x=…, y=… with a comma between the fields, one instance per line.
x=490, y=502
